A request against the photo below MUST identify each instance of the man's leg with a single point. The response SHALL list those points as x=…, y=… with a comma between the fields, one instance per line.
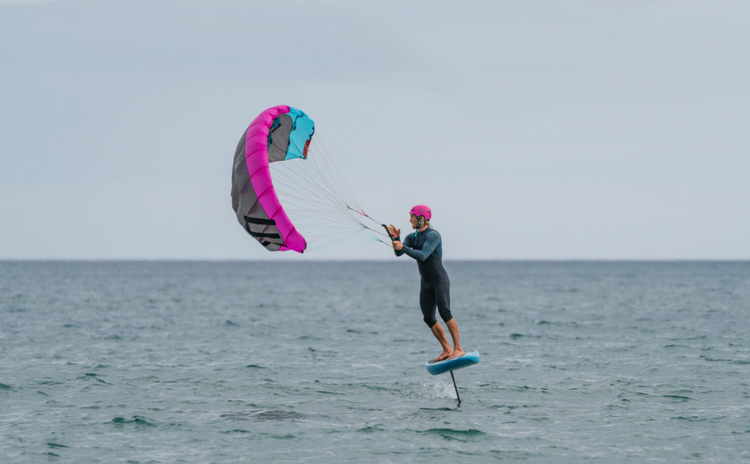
x=428, y=305
x=443, y=301
x=453, y=329
x=439, y=333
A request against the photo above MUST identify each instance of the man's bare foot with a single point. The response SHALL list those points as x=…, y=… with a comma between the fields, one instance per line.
x=443, y=356
x=456, y=354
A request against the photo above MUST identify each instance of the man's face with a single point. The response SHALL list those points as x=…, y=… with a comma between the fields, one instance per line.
x=414, y=221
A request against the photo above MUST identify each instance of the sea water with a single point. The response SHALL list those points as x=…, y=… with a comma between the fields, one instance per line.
x=318, y=362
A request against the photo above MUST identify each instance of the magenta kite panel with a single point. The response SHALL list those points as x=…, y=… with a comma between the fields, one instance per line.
x=280, y=133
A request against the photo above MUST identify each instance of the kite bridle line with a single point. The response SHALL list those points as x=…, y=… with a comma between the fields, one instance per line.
x=388, y=232
x=319, y=201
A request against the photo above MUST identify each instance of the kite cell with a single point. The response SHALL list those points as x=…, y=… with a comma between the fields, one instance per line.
x=281, y=133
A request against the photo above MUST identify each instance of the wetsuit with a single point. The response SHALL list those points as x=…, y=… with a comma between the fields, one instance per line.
x=435, y=287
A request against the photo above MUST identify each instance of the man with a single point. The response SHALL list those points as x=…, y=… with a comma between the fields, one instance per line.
x=426, y=246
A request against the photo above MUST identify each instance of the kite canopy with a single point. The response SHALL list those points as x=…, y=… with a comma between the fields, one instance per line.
x=280, y=133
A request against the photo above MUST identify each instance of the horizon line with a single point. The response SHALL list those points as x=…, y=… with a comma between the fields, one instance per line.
x=369, y=260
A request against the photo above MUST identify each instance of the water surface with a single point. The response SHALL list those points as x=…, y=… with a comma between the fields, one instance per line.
x=162, y=362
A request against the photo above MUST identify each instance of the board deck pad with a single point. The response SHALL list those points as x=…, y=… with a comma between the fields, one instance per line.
x=469, y=359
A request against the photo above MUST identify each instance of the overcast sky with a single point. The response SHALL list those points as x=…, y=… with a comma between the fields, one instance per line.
x=534, y=129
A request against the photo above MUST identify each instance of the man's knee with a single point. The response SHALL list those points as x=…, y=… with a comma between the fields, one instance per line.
x=430, y=321
x=445, y=314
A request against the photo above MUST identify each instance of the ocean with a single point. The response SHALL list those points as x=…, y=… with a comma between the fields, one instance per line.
x=320, y=362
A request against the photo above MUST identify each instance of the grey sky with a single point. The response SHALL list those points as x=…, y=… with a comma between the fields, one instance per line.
x=534, y=129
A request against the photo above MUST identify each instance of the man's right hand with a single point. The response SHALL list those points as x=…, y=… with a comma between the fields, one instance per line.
x=395, y=233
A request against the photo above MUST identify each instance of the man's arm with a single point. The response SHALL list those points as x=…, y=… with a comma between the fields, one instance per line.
x=405, y=243
x=432, y=241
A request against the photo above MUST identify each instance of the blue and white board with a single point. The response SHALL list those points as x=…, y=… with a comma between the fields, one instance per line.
x=469, y=359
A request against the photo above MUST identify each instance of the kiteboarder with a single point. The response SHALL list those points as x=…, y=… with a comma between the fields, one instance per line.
x=425, y=245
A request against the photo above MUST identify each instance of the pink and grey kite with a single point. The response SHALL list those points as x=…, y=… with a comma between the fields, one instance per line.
x=280, y=133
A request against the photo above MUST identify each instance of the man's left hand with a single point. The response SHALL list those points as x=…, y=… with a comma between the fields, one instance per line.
x=397, y=246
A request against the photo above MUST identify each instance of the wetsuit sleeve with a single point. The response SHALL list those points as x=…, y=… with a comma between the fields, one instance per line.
x=406, y=242
x=430, y=243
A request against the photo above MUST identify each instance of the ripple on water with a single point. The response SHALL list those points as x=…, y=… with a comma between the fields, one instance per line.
x=264, y=415
x=138, y=421
x=464, y=435
x=56, y=445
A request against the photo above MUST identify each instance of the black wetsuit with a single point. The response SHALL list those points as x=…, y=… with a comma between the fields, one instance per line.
x=435, y=288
